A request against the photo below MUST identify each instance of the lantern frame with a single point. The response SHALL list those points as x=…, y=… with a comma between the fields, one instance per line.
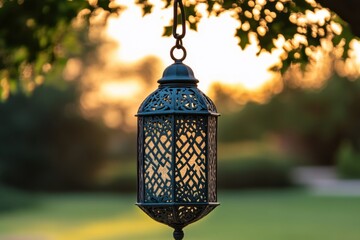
x=177, y=150
x=177, y=146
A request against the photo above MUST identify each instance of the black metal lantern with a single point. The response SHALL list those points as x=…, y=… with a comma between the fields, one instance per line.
x=177, y=147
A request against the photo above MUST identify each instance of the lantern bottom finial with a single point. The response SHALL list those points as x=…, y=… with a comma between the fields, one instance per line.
x=178, y=234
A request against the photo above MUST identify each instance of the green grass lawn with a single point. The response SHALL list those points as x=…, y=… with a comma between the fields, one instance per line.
x=248, y=215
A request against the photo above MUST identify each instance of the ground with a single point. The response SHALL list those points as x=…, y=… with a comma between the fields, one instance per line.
x=249, y=215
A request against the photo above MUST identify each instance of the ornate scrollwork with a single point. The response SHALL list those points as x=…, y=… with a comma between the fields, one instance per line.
x=170, y=99
x=177, y=216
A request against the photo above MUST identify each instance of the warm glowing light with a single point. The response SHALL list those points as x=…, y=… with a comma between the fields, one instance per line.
x=355, y=45
x=119, y=91
x=319, y=16
x=72, y=69
x=112, y=118
x=213, y=52
x=139, y=36
x=351, y=66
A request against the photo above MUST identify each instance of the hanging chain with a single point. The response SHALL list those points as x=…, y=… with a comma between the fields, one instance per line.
x=178, y=45
x=178, y=4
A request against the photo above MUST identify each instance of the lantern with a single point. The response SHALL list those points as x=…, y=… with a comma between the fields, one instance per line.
x=177, y=148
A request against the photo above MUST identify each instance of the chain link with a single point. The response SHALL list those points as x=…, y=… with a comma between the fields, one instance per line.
x=178, y=4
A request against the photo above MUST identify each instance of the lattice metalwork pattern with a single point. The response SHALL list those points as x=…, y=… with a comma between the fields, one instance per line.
x=167, y=99
x=190, y=159
x=157, y=169
x=212, y=158
x=178, y=216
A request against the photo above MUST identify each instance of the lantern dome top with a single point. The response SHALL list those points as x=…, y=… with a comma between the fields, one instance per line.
x=178, y=73
x=177, y=94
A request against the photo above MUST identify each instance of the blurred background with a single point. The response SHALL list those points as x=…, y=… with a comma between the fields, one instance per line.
x=289, y=144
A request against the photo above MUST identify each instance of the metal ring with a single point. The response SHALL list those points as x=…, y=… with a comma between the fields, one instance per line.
x=172, y=53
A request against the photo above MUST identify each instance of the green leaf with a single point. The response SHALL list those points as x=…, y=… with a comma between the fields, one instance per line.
x=193, y=26
x=147, y=8
x=337, y=39
x=167, y=31
x=266, y=42
x=244, y=38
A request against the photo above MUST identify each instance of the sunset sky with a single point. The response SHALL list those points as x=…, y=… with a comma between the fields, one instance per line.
x=212, y=52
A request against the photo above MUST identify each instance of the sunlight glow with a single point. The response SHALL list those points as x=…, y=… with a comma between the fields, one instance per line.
x=213, y=51
x=351, y=66
x=356, y=48
x=118, y=228
x=119, y=91
x=117, y=86
x=139, y=36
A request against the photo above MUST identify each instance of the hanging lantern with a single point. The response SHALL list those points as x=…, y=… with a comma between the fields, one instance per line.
x=177, y=146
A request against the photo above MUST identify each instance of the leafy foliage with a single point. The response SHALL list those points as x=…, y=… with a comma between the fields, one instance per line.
x=270, y=20
x=348, y=161
x=254, y=172
x=34, y=33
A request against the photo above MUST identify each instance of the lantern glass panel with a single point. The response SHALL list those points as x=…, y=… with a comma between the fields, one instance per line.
x=191, y=162
x=158, y=149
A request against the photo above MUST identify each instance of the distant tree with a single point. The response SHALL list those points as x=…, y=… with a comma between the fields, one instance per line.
x=45, y=142
x=312, y=123
x=35, y=34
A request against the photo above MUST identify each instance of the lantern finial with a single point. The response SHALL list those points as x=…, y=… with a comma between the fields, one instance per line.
x=178, y=234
